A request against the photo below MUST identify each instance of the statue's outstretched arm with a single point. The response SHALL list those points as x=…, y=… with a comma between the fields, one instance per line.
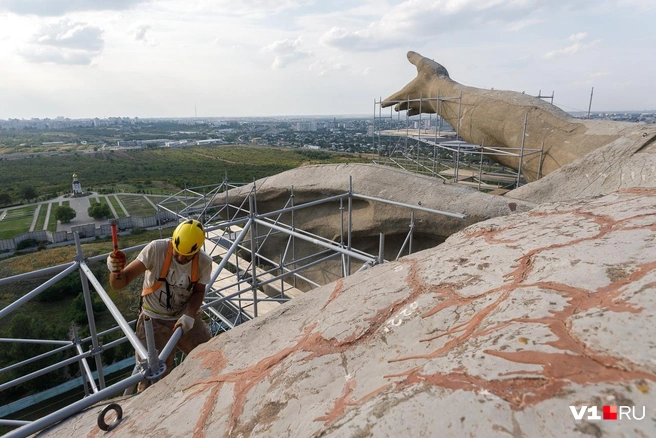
x=497, y=118
x=428, y=72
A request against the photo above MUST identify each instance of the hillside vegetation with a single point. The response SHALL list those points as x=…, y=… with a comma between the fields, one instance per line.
x=164, y=170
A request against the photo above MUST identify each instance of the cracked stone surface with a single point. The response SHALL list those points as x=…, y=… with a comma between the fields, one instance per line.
x=496, y=332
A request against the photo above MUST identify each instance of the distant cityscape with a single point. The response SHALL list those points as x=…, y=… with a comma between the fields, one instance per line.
x=353, y=134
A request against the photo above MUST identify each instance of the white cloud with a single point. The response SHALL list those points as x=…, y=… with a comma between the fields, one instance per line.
x=65, y=42
x=325, y=66
x=257, y=9
x=142, y=33
x=286, y=51
x=61, y=7
x=416, y=22
x=578, y=44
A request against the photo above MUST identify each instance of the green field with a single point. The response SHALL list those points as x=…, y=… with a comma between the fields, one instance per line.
x=42, y=217
x=52, y=221
x=17, y=221
x=137, y=205
x=170, y=203
x=157, y=171
x=115, y=204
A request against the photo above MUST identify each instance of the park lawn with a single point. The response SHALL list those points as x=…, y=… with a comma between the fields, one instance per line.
x=171, y=203
x=137, y=205
x=42, y=217
x=117, y=207
x=66, y=203
x=52, y=220
x=17, y=221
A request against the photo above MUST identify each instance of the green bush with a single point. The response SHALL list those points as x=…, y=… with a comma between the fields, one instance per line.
x=27, y=243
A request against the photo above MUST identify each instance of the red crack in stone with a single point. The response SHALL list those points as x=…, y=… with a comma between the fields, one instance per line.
x=244, y=380
x=337, y=291
x=577, y=363
x=340, y=404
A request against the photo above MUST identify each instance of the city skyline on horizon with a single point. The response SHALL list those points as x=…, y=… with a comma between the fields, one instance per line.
x=295, y=58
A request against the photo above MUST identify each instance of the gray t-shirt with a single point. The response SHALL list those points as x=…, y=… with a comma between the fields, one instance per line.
x=179, y=278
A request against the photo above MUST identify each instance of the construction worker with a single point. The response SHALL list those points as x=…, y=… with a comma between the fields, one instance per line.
x=176, y=273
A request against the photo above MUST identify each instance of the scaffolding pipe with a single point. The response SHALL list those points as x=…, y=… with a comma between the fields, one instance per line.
x=349, y=241
x=64, y=413
x=33, y=274
x=414, y=207
x=96, y=349
x=347, y=252
x=86, y=371
x=36, y=341
x=253, y=260
x=170, y=345
x=66, y=345
x=43, y=371
x=28, y=296
x=82, y=363
x=521, y=153
x=127, y=330
x=12, y=423
x=228, y=254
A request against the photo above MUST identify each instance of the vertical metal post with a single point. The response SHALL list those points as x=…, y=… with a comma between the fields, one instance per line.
x=540, y=162
x=253, y=249
x=439, y=109
x=456, y=160
x=419, y=130
x=590, y=105
x=153, y=358
x=293, y=237
x=459, y=109
x=76, y=341
x=521, y=151
x=96, y=348
x=373, y=132
x=480, y=168
x=381, y=249
x=350, y=225
x=412, y=229
x=407, y=133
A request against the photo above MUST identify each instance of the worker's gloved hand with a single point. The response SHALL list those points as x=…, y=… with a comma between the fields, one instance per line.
x=186, y=322
x=116, y=261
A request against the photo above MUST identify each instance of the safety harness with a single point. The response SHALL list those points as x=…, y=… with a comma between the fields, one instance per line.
x=164, y=272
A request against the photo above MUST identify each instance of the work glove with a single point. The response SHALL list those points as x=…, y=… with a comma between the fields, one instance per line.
x=116, y=261
x=186, y=322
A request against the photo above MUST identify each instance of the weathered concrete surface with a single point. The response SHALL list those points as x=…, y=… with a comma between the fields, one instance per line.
x=369, y=218
x=622, y=164
x=496, y=332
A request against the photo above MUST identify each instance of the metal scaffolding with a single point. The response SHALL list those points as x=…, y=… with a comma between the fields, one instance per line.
x=423, y=145
x=244, y=283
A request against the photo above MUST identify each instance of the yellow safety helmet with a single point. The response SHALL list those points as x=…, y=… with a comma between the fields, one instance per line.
x=188, y=237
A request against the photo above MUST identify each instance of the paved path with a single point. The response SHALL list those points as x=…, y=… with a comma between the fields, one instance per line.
x=111, y=207
x=35, y=216
x=3, y=214
x=45, y=223
x=151, y=203
x=121, y=205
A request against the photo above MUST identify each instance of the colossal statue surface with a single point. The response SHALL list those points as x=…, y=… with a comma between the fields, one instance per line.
x=496, y=118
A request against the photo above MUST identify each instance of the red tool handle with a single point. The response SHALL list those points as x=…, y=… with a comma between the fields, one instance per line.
x=114, y=236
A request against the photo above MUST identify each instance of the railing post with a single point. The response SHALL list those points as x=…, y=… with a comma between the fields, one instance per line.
x=96, y=347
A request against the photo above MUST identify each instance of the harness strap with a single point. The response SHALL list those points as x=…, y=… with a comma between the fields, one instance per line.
x=165, y=270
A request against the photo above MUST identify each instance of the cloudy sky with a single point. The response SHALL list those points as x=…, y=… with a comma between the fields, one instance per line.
x=170, y=58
